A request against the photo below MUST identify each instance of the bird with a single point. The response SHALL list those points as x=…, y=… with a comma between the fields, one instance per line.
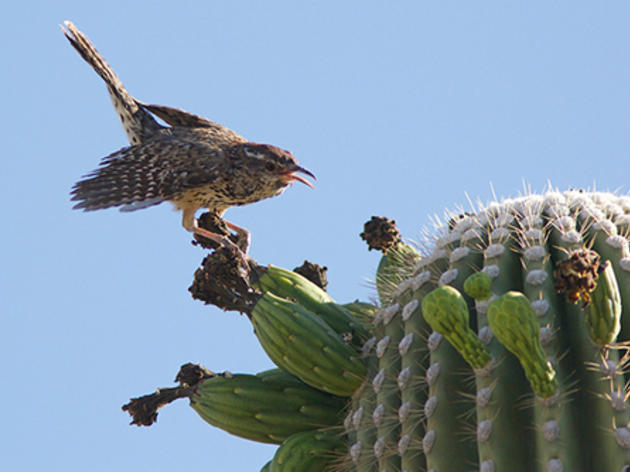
x=192, y=162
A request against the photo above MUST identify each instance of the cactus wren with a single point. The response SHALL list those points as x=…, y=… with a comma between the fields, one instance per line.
x=193, y=163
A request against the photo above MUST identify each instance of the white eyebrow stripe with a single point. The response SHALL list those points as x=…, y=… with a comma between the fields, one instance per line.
x=255, y=155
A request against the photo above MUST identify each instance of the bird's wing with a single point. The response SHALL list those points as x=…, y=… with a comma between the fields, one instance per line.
x=178, y=117
x=147, y=174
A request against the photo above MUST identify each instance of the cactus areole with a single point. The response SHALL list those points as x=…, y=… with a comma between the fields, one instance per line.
x=500, y=346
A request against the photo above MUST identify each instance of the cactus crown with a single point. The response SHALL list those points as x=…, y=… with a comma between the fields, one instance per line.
x=488, y=352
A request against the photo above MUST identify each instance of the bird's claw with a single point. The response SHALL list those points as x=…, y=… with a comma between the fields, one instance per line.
x=239, y=249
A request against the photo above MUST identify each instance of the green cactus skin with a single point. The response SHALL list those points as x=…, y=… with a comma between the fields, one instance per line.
x=266, y=467
x=411, y=379
x=389, y=331
x=268, y=407
x=310, y=451
x=303, y=344
x=396, y=265
x=363, y=311
x=362, y=426
x=359, y=424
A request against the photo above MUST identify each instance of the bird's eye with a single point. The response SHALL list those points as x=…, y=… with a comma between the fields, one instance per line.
x=270, y=166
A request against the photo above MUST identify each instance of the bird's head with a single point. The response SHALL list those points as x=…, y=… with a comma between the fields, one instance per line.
x=273, y=167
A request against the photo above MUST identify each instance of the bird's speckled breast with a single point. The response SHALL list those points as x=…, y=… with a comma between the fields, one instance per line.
x=221, y=195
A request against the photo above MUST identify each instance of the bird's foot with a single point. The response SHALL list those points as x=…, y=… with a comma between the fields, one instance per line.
x=225, y=241
x=244, y=237
x=215, y=224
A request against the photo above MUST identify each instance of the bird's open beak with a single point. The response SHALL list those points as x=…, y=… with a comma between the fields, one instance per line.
x=291, y=176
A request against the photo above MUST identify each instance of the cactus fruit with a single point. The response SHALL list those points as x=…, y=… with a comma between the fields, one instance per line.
x=268, y=407
x=310, y=451
x=301, y=343
x=288, y=284
x=502, y=345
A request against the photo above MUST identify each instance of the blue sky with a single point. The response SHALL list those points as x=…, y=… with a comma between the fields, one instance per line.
x=400, y=109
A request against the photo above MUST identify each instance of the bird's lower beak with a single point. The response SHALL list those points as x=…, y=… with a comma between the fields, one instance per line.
x=292, y=176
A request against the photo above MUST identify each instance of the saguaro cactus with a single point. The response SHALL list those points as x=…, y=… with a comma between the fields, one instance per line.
x=502, y=346
x=509, y=362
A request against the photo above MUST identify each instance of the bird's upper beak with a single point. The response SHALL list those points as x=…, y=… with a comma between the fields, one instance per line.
x=291, y=176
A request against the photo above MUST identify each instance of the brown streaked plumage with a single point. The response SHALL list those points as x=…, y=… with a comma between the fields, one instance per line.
x=194, y=163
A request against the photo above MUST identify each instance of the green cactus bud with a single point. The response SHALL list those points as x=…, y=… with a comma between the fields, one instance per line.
x=398, y=261
x=267, y=408
x=301, y=343
x=478, y=286
x=288, y=284
x=311, y=451
x=513, y=321
x=446, y=311
x=603, y=313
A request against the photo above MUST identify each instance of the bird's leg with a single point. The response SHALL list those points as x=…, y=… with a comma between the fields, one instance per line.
x=244, y=236
x=190, y=223
x=222, y=240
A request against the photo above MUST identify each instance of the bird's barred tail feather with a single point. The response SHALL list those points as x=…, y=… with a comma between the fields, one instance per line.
x=137, y=122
